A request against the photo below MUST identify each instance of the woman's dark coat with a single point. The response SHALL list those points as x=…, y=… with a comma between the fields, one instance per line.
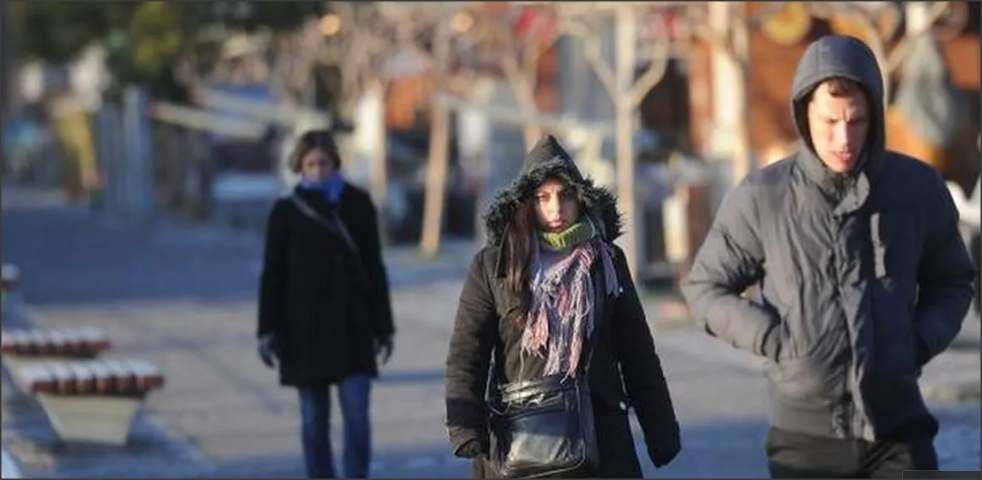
x=324, y=309
x=625, y=370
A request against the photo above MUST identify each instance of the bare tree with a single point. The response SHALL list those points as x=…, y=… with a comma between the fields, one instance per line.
x=368, y=39
x=625, y=89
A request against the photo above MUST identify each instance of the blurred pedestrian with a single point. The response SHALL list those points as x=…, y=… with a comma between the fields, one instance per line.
x=549, y=301
x=324, y=309
x=862, y=277
x=72, y=127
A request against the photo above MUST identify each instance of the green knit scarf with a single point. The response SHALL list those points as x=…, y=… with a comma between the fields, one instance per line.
x=579, y=232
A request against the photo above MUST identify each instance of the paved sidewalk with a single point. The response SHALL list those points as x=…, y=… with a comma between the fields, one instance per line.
x=8, y=469
x=183, y=296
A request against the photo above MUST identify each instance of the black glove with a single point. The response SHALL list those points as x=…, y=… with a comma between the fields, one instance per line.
x=383, y=348
x=268, y=350
x=471, y=449
x=667, y=446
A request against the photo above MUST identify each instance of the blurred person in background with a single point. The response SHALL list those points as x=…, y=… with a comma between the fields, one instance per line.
x=531, y=301
x=862, y=277
x=72, y=128
x=324, y=307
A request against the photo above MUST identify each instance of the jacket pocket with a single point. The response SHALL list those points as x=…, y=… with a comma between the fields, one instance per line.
x=809, y=378
x=607, y=404
x=897, y=346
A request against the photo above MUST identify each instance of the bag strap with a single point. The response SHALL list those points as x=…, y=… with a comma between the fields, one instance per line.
x=332, y=222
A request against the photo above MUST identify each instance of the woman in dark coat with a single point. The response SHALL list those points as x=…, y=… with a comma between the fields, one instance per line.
x=324, y=310
x=540, y=249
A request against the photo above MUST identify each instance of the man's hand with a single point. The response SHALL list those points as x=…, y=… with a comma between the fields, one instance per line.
x=383, y=348
x=268, y=350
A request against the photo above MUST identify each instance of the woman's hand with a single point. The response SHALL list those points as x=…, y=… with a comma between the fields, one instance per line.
x=472, y=449
x=268, y=351
x=383, y=348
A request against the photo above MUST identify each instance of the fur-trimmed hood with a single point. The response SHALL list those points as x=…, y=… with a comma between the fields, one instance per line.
x=549, y=159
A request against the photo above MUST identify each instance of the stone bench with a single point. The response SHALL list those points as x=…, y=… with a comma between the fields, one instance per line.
x=23, y=345
x=85, y=399
x=90, y=400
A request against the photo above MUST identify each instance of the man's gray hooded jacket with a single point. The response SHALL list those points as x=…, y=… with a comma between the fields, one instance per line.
x=860, y=282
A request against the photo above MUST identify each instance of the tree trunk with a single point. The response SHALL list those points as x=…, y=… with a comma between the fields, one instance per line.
x=379, y=171
x=731, y=137
x=625, y=55
x=436, y=171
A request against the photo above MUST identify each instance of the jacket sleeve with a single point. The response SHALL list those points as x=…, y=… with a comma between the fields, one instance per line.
x=468, y=358
x=945, y=278
x=371, y=257
x=273, y=280
x=731, y=259
x=641, y=370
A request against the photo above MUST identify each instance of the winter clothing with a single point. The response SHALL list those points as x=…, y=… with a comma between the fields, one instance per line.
x=863, y=277
x=624, y=367
x=799, y=455
x=330, y=188
x=549, y=159
x=326, y=324
x=560, y=320
x=576, y=233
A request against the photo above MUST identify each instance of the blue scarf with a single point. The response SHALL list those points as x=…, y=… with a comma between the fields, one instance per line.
x=330, y=188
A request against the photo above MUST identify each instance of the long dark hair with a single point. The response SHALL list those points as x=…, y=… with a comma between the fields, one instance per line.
x=519, y=235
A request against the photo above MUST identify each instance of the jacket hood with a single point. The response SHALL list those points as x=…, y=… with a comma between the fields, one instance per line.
x=549, y=159
x=839, y=56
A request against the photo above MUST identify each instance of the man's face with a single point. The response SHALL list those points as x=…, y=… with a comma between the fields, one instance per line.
x=556, y=206
x=838, y=127
x=316, y=165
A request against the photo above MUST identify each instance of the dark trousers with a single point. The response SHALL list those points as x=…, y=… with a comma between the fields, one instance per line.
x=797, y=455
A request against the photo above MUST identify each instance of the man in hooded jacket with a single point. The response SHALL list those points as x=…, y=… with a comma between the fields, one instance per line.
x=862, y=278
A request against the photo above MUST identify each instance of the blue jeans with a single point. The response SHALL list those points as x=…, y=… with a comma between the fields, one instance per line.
x=315, y=411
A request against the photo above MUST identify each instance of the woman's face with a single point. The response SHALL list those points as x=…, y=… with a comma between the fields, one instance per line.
x=316, y=165
x=556, y=206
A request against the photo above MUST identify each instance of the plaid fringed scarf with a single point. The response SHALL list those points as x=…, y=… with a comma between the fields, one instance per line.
x=560, y=317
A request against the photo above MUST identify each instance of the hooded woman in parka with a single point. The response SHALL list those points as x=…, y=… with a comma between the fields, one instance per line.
x=529, y=302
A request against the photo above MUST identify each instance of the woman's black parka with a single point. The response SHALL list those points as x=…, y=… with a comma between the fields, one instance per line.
x=324, y=312
x=625, y=370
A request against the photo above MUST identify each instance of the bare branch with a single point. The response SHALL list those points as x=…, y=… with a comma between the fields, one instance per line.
x=899, y=54
x=591, y=50
x=654, y=74
x=875, y=42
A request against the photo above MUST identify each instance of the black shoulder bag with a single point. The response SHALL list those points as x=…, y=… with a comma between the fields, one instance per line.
x=544, y=427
